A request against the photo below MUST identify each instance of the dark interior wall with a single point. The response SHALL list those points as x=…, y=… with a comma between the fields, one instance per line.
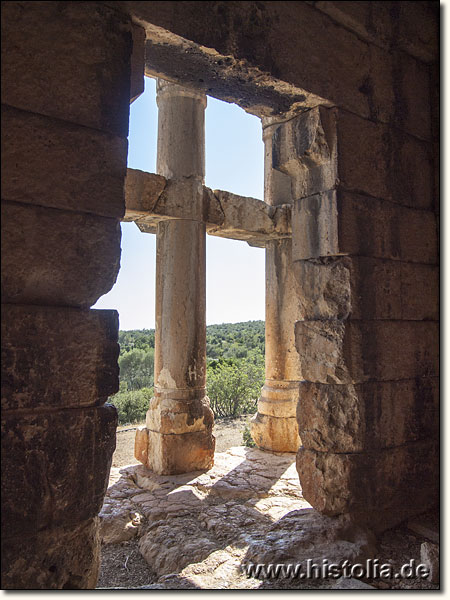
x=65, y=95
x=66, y=88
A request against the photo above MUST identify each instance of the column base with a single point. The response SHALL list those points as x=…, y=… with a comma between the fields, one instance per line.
x=172, y=454
x=277, y=434
x=178, y=434
x=275, y=427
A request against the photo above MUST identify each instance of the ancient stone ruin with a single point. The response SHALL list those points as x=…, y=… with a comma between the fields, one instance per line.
x=347, y=94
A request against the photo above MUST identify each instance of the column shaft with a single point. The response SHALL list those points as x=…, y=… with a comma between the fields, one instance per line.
x=179, y=421
x=275, y=427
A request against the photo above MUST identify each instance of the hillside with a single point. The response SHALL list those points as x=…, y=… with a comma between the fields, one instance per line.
x=235, y=369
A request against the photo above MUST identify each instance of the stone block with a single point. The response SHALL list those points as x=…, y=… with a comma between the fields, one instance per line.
x=142, y=191
x=57, y=257
x=358, y=351
x=324, y=288
x=60, y=165
x=367, y=288
x=249, y=218
x=380, y=489
x=84, y=55
x=305, y=148
x=338, y=222
x=141, y=445
x=368, y=416
x=385, y=289
x=381, y=229
x=276, y=434
x=172, y=416
x=55, y=467
x=60, y=558
x=315, y=226
x=412, y=85
x=170, y=454
x=399, y=164
x=55, y=357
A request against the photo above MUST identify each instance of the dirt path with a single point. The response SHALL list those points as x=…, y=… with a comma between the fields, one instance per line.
x=228, y=432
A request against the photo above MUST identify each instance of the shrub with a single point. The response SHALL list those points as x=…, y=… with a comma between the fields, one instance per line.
x=132, y=405
x=234, y=389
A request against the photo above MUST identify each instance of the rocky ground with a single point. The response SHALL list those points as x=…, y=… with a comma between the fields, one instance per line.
x=195, y=531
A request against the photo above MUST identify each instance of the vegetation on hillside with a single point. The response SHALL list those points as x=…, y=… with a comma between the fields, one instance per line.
x=235, y=370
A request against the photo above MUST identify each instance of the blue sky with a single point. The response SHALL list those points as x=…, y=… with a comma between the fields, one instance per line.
x=235, y=287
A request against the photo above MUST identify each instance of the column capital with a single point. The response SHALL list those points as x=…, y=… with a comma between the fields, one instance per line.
x=166, y=89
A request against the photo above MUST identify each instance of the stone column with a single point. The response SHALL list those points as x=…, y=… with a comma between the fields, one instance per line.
x=275, y=427
x=178, y=435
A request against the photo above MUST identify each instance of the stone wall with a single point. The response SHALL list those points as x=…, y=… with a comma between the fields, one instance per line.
x=364, y=246
x=365, y=196
x=65, y=94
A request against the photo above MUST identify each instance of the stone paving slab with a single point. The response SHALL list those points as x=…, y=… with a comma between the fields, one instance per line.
x=198, y=530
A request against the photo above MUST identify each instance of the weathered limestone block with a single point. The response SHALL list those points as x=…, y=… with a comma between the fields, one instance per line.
x=150, y=199
x=84, y=55
x=60, y=558
x=178, y=435
x=142, y=191
x=41, y=349
x=57, y=257
x=399, y=164
x=365, y=227
x=170, y=454
x=368, y=416
x=358, y=351
x=55, y=467
x=324, y=289
x=56, y=164
x=304, y=534
x=251, y=219
x=367, y=288
x=305, y=149
x=315, y=226
x=172, y=416
x=371, y=486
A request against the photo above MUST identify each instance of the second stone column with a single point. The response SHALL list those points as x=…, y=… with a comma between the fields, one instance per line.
x=275, y=427
x=179, y=421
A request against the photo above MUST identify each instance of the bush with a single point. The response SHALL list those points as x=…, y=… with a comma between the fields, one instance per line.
x=234, y=389
x=132, y=405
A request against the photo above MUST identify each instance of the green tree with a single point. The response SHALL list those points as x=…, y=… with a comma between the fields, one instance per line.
x=136, y=368
x=234, y=389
